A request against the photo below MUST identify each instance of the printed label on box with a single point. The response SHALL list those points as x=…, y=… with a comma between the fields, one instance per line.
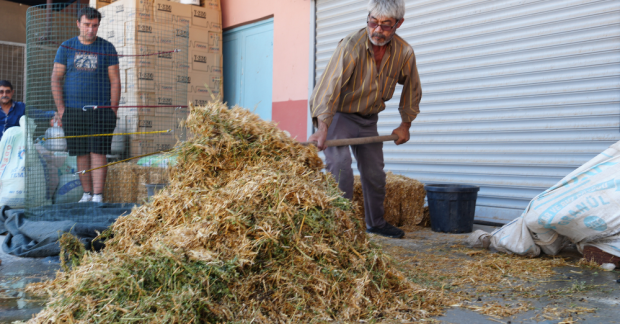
x=200, y=90
x=215, y=42
x=183, y=79
x=109, y=36
x=164, y=100
x=200, y=101
x=199, y=61
x=182, y=33
x=216, y=25
x=140, y=33
x=183, y=20
x=165, y=87
x=200, y=46
x=199, y=17
x=182, y=66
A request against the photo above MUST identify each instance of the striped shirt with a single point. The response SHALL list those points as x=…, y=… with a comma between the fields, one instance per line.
x=352, y=84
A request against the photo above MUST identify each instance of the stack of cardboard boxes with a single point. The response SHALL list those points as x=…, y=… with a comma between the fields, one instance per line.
x=187, y=66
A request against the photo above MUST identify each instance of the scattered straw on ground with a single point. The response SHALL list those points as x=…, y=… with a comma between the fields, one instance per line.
x=464, y=275
x=248, y=230
x=404, y=200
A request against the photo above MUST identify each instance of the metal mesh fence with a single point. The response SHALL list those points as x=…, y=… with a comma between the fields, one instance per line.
x=12, y=60
x=117, y=88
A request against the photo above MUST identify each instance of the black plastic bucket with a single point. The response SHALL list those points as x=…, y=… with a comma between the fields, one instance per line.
x=451, y=207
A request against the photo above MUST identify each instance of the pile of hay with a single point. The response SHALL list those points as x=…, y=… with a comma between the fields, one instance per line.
x=404, y=201
x=248, y=230
x=126, y=182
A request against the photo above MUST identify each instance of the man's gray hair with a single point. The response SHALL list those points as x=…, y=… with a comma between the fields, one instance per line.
x=387, y=8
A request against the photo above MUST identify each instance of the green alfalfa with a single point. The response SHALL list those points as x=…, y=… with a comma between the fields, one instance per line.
x=71, y=251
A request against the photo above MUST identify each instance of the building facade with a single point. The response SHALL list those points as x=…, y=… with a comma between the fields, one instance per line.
x=262, y=32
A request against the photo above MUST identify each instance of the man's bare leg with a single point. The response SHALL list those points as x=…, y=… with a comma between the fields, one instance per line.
x=83, y=163
x=99, y=175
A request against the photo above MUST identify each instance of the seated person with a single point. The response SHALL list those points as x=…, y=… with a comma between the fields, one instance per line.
x=12, y=111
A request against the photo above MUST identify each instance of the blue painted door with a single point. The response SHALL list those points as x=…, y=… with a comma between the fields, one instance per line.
x=248, y=67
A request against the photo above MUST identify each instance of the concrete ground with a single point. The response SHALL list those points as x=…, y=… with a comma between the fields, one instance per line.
x=603, y=295
x=587, y=288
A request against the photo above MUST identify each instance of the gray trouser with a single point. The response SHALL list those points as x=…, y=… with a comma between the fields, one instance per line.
x=369, y=162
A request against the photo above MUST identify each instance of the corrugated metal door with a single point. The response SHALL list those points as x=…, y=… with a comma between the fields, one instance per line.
x=517, y=93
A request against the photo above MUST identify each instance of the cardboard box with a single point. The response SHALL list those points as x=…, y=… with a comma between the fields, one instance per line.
x=198, y=99
x=147, y=146
x=137, y=98
x=170, y=12
x=142, y=8
x=205, y=84
x=137, y=59
x=206, y=18
x=169, y=78
x=139, y=79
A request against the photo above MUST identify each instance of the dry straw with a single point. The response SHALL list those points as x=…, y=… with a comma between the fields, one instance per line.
x=248, y=230
x=404, y=201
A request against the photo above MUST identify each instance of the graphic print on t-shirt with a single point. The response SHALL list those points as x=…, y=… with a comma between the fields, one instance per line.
x=85, y=61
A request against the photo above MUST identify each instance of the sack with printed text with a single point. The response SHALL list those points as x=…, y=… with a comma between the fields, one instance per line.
x=583, y=208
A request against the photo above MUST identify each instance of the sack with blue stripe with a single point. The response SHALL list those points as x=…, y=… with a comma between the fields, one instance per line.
x=583, y=208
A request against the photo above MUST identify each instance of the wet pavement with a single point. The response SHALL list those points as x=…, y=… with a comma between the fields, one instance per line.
x=592, y=289
x=15, y=274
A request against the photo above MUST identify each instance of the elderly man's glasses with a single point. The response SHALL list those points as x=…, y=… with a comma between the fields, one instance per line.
x=5, y=91
x=374, y=25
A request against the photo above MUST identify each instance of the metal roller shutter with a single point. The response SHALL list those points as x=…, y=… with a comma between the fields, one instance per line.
x=517, y=93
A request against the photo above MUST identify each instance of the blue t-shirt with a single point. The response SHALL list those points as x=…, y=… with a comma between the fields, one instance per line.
x=86, y=79
x=18, y=109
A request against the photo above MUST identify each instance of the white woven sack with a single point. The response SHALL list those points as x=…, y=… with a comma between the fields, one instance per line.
x=583, y=208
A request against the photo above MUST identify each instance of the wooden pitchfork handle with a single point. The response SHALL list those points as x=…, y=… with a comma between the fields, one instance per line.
x=355, y=141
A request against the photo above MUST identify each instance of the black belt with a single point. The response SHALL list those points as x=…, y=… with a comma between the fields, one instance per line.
x=365, y=116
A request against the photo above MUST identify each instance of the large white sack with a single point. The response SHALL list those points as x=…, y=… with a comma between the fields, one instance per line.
x=12, y=168
x=16, y=165
x=69, y=190
x=583, y=208
x=39, y=176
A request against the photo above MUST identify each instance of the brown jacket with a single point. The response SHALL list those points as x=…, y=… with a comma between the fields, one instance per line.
x=352, y=84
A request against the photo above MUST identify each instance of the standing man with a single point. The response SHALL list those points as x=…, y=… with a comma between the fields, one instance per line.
x=11, y=111
x=89, y=66
x=359, y=79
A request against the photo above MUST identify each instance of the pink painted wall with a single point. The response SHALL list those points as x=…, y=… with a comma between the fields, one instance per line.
x=291, y=32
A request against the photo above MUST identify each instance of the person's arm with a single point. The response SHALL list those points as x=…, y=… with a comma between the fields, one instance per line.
x=58, y=73
x=115, y=86
x=327, y=91
x=409, y=107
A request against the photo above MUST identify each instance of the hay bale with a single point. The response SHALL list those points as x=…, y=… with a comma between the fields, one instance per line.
x=126, y=182
x=404, y=200
x=121, y=183
x=249, y=229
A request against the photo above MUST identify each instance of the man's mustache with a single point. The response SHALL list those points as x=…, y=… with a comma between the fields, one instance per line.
x=5, y=98
x=378, y=35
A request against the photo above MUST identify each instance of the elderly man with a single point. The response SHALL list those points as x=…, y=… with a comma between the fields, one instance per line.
x=359, y=79
x=89, y=66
